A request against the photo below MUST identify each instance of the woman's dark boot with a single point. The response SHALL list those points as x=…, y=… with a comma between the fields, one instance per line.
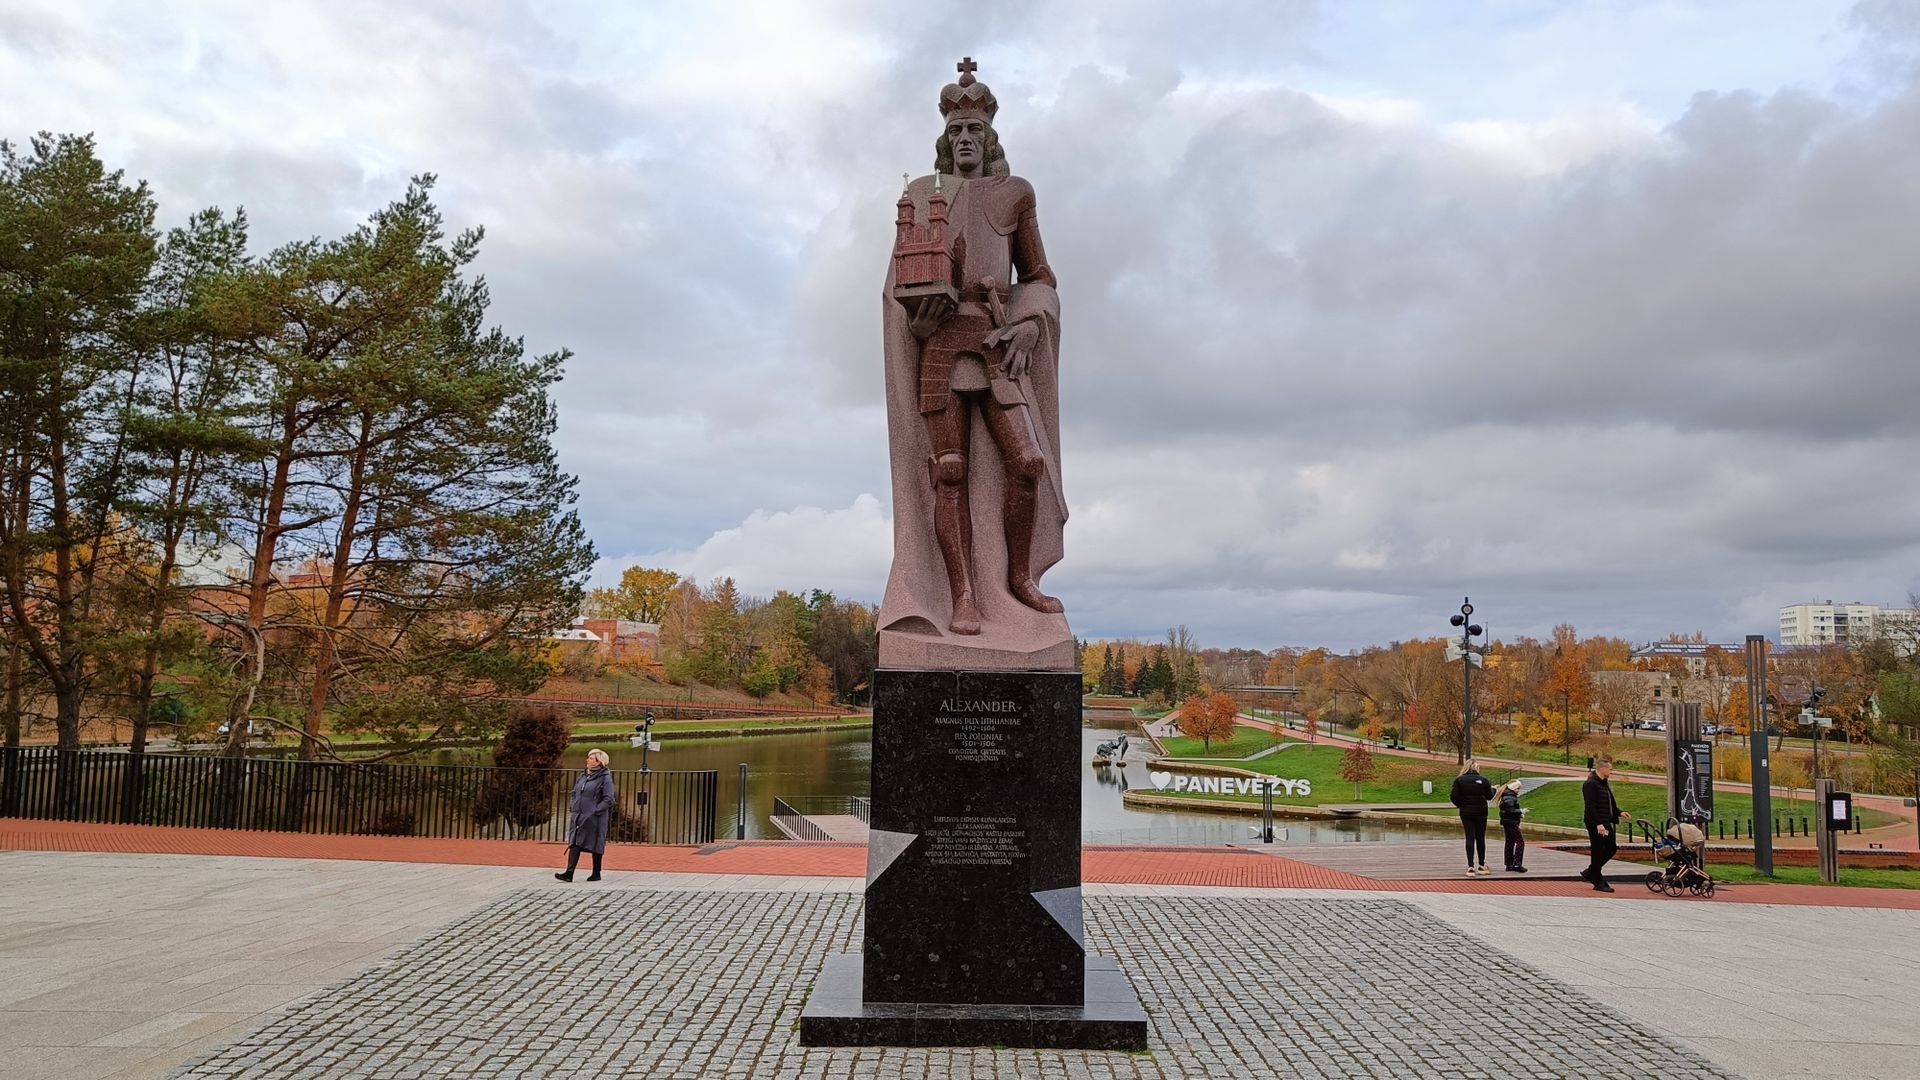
x=595, y=876
x=573, y=860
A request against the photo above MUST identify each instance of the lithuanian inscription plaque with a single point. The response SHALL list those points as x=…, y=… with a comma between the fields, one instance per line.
x=973, y=873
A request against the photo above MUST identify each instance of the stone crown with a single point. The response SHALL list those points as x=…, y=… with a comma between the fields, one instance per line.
x=969, y=96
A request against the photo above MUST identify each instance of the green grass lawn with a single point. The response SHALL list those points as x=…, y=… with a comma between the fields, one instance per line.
x=661, y=728
x=1245, y=741
x=1397, y=779
x=1562, y=804
x=1867, y=877
x=744, y=723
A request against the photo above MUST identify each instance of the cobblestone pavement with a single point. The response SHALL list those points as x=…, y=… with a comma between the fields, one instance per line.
x=680, y=984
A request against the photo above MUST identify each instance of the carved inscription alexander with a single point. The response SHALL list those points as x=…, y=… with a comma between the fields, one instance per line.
x=976, y=730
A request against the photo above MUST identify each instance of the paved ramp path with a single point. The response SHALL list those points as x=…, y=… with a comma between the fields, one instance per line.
x=133, y=966
x=1193, y=864
x=1432, y=860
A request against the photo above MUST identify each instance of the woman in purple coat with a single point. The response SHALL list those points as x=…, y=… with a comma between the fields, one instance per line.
x=591, y=806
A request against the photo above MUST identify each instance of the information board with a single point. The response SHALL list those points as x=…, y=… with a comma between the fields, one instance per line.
x=1693, y=777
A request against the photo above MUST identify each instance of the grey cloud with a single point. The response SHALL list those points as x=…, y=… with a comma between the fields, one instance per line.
x=1324, y=371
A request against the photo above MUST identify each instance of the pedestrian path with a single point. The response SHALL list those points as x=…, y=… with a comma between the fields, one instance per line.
x=1429, y=860
x=135, y=967
x=1256, y=866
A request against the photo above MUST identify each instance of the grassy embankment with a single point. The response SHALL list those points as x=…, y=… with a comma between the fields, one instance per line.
x=1398, y=779
x=589, y=731
x=1246, y=742
x=1561, y=804
x=1634, y=752
x=630, y=687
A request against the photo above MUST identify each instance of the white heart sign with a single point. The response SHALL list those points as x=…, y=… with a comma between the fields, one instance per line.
x=1160, y=779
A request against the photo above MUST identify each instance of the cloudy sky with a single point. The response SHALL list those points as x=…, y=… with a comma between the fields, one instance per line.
x=1602, y=312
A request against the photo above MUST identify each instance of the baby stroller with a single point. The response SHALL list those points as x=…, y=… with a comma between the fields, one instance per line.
x=1684, y=848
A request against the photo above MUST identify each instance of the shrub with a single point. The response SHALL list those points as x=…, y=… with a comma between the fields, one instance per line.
x=391, y=821
x=677, y=669
x=520, y=786
x=583, y=663
x=762, y=678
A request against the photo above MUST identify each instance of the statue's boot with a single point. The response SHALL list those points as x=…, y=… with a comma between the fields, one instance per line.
x=1019, y=512
x=966, y=616
x=950, y=527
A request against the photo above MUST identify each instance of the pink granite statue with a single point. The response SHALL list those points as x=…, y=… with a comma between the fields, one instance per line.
x=972, y=327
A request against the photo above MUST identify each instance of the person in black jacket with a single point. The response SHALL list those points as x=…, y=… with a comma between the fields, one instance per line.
x=1510, y=815
x=1603, y=816
x=1471, y=793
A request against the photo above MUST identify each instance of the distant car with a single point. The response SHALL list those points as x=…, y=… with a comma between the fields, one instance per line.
x=1654, y=725
x=1630, y=725
x=254, y=730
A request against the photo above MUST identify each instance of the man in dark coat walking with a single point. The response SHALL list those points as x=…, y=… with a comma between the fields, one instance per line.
x=591, y=806
x=1603, y=816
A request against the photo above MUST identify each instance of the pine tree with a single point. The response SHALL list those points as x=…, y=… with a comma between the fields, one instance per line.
x=1188, y=680
x=77, y=246
x=1162, y=679
x=185, y=443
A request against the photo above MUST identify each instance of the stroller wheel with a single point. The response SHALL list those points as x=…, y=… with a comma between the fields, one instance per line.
x=1655, y=880
x=1706, y=887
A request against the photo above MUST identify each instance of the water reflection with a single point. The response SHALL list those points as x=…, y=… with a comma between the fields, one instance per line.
x=839, y=763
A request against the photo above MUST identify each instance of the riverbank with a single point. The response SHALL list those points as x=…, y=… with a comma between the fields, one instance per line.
x=598, y=732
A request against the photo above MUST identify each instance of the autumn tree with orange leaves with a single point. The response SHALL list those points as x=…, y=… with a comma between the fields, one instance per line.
x=1200, y=719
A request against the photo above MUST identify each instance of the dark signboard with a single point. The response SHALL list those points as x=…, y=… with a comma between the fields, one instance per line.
x=1693, y=779
x=1839, y=811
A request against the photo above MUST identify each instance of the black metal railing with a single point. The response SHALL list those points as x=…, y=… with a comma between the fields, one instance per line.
x=793, y=814
x=383, y=798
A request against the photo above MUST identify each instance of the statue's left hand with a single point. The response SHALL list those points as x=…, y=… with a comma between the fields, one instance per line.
x=1019, y=338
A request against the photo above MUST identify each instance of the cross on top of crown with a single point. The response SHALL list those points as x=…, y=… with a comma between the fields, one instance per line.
x=966, y=67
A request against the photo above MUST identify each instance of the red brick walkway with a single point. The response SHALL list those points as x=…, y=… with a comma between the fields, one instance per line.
x=1218, y=866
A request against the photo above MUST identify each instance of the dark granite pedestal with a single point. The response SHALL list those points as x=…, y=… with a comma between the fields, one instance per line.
x=973, y=922
x=1110, y=1019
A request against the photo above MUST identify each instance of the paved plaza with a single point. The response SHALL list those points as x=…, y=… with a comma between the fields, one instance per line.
x=136, y=965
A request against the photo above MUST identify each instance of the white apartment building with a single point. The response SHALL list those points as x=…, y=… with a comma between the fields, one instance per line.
x=1834, y=624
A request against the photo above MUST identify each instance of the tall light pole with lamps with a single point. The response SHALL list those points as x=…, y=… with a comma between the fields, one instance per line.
x=1566, y=711
x=1468, y=631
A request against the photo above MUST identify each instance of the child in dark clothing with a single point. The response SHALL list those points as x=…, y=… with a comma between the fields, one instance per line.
x=1510, y=815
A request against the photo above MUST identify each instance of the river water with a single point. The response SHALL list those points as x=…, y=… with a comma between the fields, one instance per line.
x=838, y=763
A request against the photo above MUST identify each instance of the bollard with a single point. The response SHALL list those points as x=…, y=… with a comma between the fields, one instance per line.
x=1856, y=824
x=740, y=829
x=1803, y=827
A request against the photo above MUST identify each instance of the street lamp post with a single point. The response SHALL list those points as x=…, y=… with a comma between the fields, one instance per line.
x=1819, y=731
x=1468, y=631
x=1566, y=713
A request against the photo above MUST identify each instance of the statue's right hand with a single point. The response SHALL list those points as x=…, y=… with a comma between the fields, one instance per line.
x=928, y=313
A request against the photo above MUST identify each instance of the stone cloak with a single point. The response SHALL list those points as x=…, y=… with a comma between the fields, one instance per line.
x=918, y=605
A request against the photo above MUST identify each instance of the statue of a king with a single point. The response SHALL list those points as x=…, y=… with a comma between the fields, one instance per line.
x=972, y=324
